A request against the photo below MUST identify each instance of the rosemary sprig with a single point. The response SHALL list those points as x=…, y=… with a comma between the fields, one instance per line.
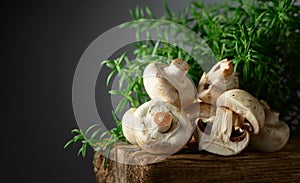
x=99, y=141
x=79, y=136
x=260, y=37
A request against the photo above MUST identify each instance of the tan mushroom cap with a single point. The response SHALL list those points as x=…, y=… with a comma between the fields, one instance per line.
x=222, y=70
x=274, y=136
x=128, y=129
x=170, y=83
x=232, y=148
x=228, y=149
x=220, y=78
x=158, y=127
x=245, y=105
x=220, y=140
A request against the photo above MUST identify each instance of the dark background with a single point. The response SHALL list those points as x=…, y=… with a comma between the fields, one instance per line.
x=41, y=46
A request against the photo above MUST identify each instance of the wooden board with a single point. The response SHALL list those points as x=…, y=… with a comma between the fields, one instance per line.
x=192, y=166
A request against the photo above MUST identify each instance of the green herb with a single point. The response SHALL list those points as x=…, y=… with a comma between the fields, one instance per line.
x=130, y=81
x=79, y=136
x=260, y=37
x=99, y=141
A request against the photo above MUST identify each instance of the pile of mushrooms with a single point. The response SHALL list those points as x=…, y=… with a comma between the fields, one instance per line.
x=227, y=119
x=238, y=118
x=160, y=126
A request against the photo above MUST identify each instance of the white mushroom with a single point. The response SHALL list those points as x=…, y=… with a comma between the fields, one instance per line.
x=238, y=113
x=275, y=134
x=246, y=106
x=220, y=140
x=158, y=127
x=219, y=79
x=170, y=83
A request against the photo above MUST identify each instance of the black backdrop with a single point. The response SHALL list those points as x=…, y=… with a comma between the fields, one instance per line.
x=42, y=43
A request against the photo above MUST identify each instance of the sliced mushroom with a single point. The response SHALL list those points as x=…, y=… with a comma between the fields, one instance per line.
x=158, y=127
x=246, y=106
x=221, y=140
x=238, y=113
x=170, y=83
x=275, y=134
x=219, y=79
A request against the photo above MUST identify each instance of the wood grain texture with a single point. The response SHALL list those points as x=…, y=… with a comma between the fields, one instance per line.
x=191, y=166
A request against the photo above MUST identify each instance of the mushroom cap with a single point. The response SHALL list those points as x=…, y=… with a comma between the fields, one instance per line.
x=218, y=137
x=220, y=78
x=222, y=70
x=161, y=84
x=139, y=128
x=272, y=138
x=128, y=130
x=245, y=105
x=228, y=149
x=275, y=134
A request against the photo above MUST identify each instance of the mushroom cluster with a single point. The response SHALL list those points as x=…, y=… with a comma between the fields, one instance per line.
x=227, y=119
x=160, y=126
x=237, y=118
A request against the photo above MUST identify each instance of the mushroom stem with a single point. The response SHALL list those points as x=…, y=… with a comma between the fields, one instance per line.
x=178, y=68
x=221, y=140
x=275, y=133
x=200, y=110
x=272, y=117
x=228, y=68
x=222, y=130
x=163, y=121
x=221, y=71
x=220, y=78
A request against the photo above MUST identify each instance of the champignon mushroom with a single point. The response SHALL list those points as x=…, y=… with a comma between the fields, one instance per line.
x=246, y=106
x=220, y=140
x=238, y=113
x=170, y=83
x=219, y=79
x=158, y=127
x=275, y=134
